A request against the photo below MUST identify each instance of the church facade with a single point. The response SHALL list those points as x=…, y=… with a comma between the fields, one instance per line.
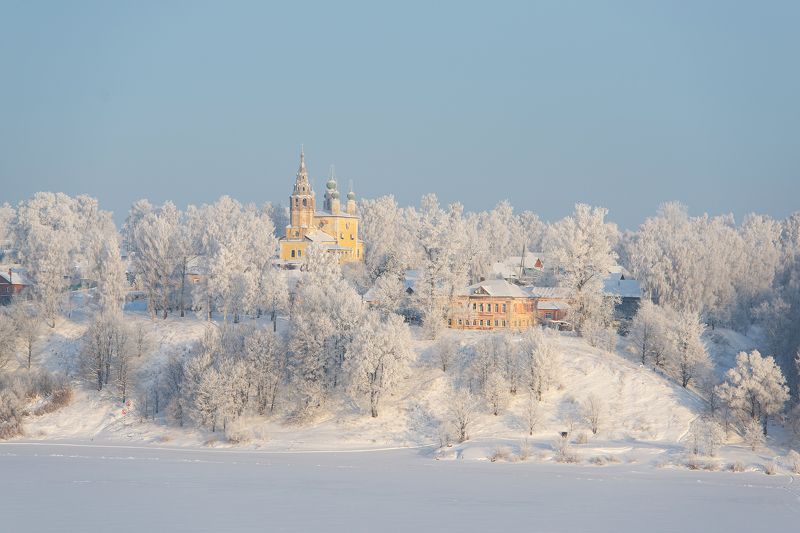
x=332, y=228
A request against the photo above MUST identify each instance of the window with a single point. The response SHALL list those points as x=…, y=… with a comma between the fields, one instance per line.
x=341, y=236
x=504, y=323
x=449, y=321
x=351, y=237
x=459, y=321
x=299, y=253
x=548, y=315
x=504, y=308
x=496, y=308
x=305, y=202
x=292, y=253
x=296, y=233
x=474, y=322
x=480, y=308
x=346, y=225
x=481, y=322
x=496, y=323
x=474, y=306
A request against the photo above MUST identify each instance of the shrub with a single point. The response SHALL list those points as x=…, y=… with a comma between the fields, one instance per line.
x=11, y=412
x=582, y=438
x=771, y=469
x=737, y=466
x=501, y=453
x=793, y=461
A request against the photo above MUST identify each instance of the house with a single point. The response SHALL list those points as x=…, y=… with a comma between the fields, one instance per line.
x=552, y=303
x=519, y=269
x=619, y=284
x=12, y=283
x=331, y=229
x=492, y=304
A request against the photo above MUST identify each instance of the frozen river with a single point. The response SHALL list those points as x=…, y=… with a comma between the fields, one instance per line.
x=86, y=487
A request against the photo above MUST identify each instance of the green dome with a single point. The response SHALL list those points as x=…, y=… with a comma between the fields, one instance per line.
x=351, y=195
x=335, y=194
x=331, y=185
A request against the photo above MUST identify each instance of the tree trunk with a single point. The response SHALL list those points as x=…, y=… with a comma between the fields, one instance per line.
x=183, y=287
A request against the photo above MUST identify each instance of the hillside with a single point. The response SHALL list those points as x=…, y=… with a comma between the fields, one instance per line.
x=645, y=417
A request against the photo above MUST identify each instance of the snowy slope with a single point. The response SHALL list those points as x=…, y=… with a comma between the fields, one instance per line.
x=645, y=418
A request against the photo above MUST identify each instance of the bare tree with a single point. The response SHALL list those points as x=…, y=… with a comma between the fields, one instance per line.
x=462, y=411
x=532, y=413
x=592, y=411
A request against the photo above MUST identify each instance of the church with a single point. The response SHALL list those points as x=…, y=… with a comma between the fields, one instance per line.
x=332, y=229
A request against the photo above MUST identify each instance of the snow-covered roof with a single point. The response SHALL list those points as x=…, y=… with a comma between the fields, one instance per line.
x=552, y=305
x=494, y=287
x=624, y=288
x=503, y=270
x=563, y=293
x=14, y=277
x=316, y=235
x=325, y=213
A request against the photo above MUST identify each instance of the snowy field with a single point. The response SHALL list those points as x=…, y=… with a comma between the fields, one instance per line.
x=86, y=487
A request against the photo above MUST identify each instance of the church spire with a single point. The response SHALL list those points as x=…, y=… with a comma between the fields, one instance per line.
x=302, y=184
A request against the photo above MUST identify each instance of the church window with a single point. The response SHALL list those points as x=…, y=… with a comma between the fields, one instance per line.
x=293, y=253
x=496, y=308
x=504, y=308
x=305, y=202
x=296, y=233
x=480, y=308
x=299, y=253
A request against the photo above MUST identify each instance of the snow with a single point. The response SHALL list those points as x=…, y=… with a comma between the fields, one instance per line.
x=86, y=487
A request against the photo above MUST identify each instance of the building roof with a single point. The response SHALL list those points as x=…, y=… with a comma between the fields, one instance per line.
x=624, y=288
x=316, y=235
x=14, y=277
x=552, y=305
x=494, y=287
x=562, y=293
x=342, y=214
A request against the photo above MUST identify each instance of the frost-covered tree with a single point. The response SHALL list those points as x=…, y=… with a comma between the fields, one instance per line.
x=755, y=388
x=105, y=343
x=274, y=294
x=325, y=313
x=378, y=357
x=8, y=340
x=27, y=325
x=461, y=412
x=687, y=357
x=593, y=410
x=266, y=355
x=156, y=258
x=541, y=362
x=583, y=247
x=646, y=331
x=387, y=235
x=446, y=350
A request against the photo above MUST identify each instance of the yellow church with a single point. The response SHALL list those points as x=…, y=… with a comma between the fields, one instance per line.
x=332, y=229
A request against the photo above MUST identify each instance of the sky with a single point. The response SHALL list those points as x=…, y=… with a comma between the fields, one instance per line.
x=623, y=104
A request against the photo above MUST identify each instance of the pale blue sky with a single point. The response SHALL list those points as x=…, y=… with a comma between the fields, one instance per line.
x=620, y=104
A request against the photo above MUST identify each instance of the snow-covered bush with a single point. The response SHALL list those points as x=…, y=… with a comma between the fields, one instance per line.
x=755, y=389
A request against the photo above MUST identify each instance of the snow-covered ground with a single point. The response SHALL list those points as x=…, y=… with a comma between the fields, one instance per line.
x=85, y=487
x=645, y=418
